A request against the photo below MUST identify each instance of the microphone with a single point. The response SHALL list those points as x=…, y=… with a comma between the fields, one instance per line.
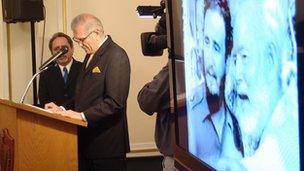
x=44, y=67
x=58, y=54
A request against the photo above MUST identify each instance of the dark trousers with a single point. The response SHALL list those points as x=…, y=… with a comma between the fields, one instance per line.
x=103, y=164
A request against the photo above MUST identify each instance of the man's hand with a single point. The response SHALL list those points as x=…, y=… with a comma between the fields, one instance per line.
x=53, y=107
x=71, y=114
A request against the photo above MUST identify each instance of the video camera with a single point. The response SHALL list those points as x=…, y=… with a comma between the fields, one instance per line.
x=153, y=43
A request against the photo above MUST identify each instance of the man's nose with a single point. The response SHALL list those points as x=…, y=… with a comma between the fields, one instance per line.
x=208, y=56
x=239, y=69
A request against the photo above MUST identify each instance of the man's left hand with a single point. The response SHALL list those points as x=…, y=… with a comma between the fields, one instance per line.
x=71, y=114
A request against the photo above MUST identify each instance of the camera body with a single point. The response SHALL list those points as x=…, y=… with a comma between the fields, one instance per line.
x=153, y=43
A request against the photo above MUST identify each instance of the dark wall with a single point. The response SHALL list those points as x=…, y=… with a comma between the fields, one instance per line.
x=300, y=23
x=300, y=11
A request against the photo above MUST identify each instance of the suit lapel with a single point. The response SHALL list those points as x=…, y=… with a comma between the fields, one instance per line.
x=92, y=63
x=98, y=54
x=83, y=68
x=72, y=73
x=59, y=76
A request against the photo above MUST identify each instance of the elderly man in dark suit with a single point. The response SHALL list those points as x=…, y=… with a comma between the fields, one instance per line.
x=100, y=98
x=57, y=84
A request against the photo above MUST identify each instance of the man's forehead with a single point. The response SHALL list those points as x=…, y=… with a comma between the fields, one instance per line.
x=245, y=36
x=60, y=41
x=214, y=16
x=79, y=28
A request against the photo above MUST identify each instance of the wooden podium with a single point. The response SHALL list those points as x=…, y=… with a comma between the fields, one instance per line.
x=42, y=140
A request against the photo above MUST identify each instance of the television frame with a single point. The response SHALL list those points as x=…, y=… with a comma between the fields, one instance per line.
x=184, y=160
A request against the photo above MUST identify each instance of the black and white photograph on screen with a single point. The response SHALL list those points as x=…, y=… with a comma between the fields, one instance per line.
x=241, y=83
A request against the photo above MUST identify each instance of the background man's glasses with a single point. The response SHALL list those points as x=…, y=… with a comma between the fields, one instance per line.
x=57, y=48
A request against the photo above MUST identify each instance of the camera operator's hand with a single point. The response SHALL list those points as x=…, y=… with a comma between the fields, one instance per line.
x=163, y=3
x=153, y=43
x=158, y=42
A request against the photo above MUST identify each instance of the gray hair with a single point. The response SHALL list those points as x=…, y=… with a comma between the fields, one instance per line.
x=269, y=24
x=89, y=21
x=264, y=25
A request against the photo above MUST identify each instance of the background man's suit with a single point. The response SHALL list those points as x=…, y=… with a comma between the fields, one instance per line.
x=101, y=94
x=52, y=87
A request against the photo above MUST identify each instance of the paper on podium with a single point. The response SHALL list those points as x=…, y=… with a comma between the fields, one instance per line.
x=38, y=108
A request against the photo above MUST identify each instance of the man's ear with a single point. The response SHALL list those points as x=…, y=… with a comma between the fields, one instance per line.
x=72, y=50
x=99, y=31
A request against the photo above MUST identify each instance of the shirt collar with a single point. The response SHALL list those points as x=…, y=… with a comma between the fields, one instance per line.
x=218, y=120
x=68, y=66
x=102, y=42
x=91, y=55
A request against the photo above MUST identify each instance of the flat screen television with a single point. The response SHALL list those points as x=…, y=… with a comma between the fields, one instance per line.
x=236, y=79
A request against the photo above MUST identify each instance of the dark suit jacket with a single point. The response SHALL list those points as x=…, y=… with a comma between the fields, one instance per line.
x=52, y=87
x=101, y=93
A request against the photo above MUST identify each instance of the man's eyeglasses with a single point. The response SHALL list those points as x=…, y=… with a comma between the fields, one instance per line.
x=57, y=48
x=81, y=40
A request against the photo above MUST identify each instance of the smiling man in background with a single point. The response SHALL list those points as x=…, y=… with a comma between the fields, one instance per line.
x=57, y=84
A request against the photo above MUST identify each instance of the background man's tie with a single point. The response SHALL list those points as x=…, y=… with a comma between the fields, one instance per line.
x=65, y=75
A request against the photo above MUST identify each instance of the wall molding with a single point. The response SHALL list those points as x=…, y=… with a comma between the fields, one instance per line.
x=143, y=150
x=64, y=16
x=5, y=88
x=9, y=59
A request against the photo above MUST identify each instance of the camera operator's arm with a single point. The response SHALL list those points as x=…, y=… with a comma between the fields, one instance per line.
x=154, y=96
